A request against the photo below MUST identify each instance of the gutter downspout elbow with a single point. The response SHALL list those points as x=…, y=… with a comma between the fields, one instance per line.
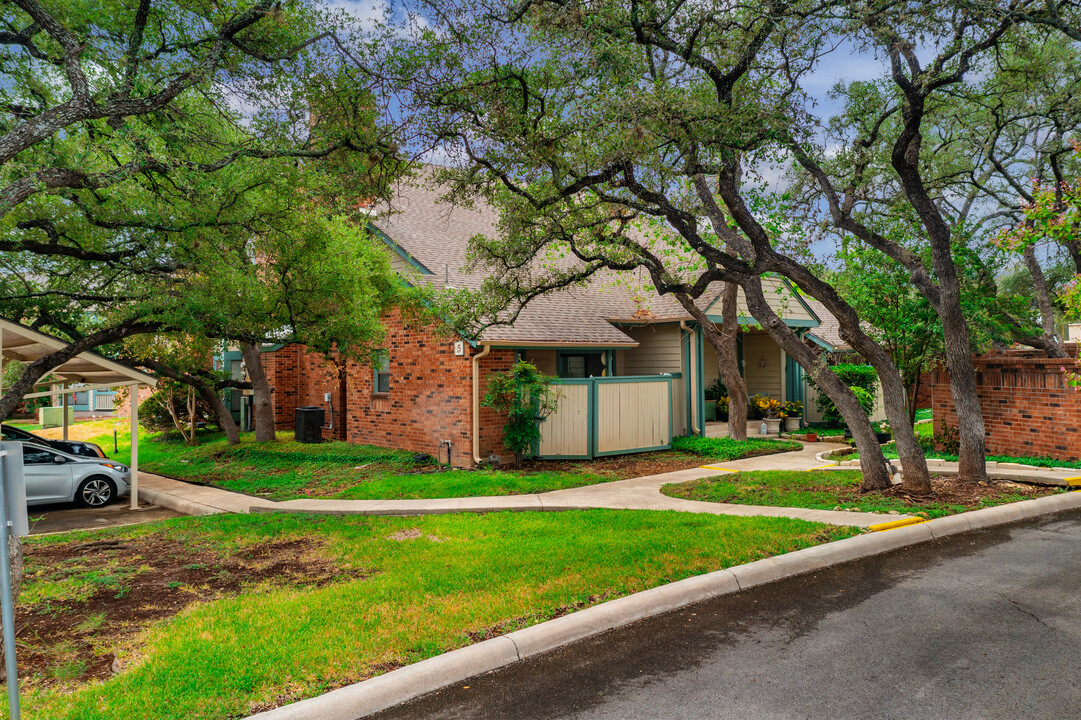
x=476, y=402
x=693, y=377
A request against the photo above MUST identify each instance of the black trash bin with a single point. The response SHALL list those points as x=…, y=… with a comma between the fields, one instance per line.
x=309, y=424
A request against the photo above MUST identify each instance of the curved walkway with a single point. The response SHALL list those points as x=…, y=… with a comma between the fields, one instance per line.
x=641, y=493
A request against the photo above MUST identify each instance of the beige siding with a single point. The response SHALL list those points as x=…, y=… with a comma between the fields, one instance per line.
x=632, y=415
x=779, y=297
x=566, y=431
x=545, y=360
x=657, y=351
x=679, y=407
x=769, y=380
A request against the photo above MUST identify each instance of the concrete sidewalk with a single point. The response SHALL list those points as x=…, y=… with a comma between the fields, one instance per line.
x=642, y=493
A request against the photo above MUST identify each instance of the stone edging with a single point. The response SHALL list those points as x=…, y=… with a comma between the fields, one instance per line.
x=385, y=691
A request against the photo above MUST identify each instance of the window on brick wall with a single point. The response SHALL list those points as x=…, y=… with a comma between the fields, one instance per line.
x=382, y=373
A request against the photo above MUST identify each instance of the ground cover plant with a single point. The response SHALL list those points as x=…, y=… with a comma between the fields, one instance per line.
x=840, y=490
x=222, y=616
x=286, y=469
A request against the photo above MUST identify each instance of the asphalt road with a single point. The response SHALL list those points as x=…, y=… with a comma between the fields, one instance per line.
x=983, y=625
x=61, y=517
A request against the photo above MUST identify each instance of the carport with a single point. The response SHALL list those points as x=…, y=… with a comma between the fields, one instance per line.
x=88, y=369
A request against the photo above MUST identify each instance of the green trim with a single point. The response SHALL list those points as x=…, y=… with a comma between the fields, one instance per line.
x=610, y=453
x=799, y=296
x=745, y=320
x=399, y=250
x=700, y=382
x=820, y=342
x=685, y=355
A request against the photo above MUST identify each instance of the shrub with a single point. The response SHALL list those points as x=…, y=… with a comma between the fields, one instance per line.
x=154, y=411
x=861, y=379
x=526, y=396
x=716, y=391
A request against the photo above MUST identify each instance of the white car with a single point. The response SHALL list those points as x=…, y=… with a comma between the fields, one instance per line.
x=52, y=476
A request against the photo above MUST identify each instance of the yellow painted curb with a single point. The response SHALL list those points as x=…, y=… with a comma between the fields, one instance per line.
x=713, y=467
x=823, y=467
x=1073, y=482
x=895, y=524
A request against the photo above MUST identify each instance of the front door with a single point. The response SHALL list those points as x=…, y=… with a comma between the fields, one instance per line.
x=46, y=479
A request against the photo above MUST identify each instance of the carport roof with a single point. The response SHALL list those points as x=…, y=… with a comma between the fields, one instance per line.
x=18, y=342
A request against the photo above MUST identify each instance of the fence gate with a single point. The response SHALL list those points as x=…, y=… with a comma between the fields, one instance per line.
x=609, y=416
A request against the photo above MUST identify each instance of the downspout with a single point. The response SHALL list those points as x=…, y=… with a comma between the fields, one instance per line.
x=693, y=377
x=476, y=402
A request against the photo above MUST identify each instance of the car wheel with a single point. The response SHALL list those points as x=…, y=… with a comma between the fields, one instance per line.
x=95, y=492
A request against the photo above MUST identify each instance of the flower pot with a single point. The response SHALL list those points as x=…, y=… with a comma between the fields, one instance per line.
x=773, y=426
x=812, y=437
x=711, y=410
x=884, y=438
x=791, y=424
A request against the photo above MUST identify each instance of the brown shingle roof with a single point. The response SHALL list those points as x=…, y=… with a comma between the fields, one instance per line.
x=436, y=234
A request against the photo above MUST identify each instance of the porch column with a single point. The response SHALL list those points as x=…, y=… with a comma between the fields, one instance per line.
x=134, y=464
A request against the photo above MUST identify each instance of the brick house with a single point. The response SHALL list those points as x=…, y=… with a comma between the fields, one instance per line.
x=634, y=364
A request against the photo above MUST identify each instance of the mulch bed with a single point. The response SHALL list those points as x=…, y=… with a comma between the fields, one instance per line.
x=949, y=491
x=171, y=576
x=622, y=467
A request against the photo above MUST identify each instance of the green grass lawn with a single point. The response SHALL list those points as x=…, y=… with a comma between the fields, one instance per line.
x=286, y=469
x=352, y=597
x=833, y=490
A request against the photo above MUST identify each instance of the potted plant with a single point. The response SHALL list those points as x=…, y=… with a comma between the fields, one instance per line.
x=713, y=394
x=883, y=433
x=722, y=408
x=771, y=413
x=792, y=411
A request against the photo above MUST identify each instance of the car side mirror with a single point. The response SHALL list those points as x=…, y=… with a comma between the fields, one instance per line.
x=59, y=460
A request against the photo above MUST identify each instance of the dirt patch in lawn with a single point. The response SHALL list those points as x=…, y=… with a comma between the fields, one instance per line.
x=949, y=491
x=117, y=587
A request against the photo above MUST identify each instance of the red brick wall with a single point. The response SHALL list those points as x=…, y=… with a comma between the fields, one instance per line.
x=923, y=394
x=430, y=396
x=1027, y=408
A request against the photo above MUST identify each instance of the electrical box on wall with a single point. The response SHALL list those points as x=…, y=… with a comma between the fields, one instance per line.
x=326, y=397
x=459, y=347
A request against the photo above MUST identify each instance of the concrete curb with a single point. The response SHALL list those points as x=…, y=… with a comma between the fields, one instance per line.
x=181, y=505
x=385, y=691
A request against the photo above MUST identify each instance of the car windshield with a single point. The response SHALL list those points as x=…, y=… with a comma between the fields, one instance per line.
x=10, y=433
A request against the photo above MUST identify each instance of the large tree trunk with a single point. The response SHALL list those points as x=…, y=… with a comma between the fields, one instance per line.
x=916, y=476
x=1051, y=344
x=262, y=402
x=873, y=464
x=724, y=345
x=905, y=158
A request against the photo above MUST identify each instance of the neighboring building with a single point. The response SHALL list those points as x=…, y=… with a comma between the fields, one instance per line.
x=635, y=365
x=1028, y=408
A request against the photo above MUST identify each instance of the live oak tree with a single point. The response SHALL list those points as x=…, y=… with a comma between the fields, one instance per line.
x=590, y=126
x=931, y=51
x=131, y=133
